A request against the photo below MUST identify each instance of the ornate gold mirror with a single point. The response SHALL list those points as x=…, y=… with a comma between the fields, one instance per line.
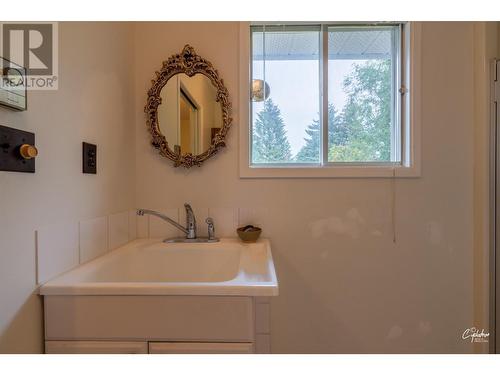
x=188, y=109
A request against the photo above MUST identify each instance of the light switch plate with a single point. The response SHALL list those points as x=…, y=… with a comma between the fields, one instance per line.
x=89, y=158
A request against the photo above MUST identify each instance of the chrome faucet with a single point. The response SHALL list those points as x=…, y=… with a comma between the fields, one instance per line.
x=190, y=222
x=189, y=230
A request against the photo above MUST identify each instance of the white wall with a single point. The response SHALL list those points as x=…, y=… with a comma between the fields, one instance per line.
x=344, y=285
x=93, y=104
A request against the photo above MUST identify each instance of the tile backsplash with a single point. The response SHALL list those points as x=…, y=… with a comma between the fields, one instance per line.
x=225, y=221
x=63, y=246
x=160, y=228
x=142, y=225
x=132, y=225
x=118, y=230
x=93, y=238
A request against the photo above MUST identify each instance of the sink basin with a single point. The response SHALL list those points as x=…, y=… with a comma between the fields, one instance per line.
x=164, y=263
x=151, y=267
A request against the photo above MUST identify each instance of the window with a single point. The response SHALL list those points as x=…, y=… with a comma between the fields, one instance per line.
x=329, y=96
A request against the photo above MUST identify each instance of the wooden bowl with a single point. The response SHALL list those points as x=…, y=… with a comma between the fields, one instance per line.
x=251, y=235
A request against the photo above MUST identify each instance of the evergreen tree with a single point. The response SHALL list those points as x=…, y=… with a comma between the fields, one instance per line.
x=337, y=135
x=309, y=153
x=269, y=138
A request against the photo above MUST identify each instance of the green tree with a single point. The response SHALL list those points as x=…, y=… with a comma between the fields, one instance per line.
x=269, y=139
x=337, y=135
x=367, y=114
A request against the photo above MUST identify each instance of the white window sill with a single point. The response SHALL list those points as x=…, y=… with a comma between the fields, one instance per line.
x=336, y=171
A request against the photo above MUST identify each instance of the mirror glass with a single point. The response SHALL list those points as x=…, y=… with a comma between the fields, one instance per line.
x=189, y=116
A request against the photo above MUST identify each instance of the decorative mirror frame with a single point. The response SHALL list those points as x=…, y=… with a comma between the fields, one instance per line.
x=189, y=63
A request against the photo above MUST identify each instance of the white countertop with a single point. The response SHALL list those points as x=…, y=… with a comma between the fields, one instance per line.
x=151, y=267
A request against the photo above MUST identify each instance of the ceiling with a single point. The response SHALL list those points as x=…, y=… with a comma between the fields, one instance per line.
x=343, y=43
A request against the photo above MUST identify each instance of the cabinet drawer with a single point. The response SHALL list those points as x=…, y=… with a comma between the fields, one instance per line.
x=95, y=347
x=149, y=318
x=200, y=348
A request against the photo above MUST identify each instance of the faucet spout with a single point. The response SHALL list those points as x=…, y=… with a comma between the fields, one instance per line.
x=142, y=212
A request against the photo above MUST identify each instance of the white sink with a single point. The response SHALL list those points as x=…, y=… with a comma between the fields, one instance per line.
x=151, y=267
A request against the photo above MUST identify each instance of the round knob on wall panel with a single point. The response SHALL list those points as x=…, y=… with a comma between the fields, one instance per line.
x=28, y=151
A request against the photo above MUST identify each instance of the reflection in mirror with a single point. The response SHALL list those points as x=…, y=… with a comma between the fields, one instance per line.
x=189, y=116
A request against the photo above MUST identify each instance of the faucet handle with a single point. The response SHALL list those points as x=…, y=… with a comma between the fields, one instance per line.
x=211, y=228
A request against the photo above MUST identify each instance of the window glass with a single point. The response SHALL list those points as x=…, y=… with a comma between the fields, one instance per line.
x=285, y=94
x=361, y=112
x=360, y=82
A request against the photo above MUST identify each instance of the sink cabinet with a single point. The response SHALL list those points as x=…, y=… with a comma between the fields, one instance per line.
x=151, y=297
x=156, y=324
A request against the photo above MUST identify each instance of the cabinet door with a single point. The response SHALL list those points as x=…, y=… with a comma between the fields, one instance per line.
x=95, y=347
x=200, y=348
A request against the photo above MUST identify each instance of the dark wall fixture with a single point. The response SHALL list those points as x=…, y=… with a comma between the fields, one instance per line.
x=13, y=94
x=89, y=158
x=17, y=150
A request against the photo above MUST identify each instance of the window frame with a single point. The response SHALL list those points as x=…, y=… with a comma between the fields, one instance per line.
x=409, y=111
